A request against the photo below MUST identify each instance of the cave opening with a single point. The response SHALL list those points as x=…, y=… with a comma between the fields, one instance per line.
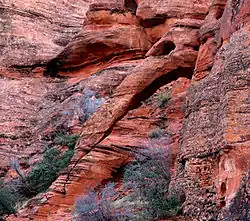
x=116, y=176
x=52, y=68
x=164, y=48
x=196, y=48
x=223, y=190
x=222, y=202
x=131, y=6
x=168, y=47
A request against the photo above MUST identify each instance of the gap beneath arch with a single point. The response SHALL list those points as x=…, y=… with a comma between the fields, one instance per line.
x=158, y=83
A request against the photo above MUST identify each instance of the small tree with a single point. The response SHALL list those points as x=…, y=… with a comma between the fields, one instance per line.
x=91, y=102
x=66, y=140
x=45, y=173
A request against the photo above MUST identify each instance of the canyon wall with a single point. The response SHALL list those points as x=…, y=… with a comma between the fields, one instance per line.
x=128, y=53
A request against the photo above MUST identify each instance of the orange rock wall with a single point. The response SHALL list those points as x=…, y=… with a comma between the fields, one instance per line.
x=129, y=53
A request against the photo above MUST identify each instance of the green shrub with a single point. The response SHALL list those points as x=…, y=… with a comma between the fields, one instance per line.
x=40, y=178
x=147, y=192
x=7, y=201
x=66, y=140
x=162, y=99
x=65, y=159
x=149, y=176
x=46, y=172
x=156, y=133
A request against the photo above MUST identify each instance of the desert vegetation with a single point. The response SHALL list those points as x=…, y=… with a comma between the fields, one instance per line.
x=39, y=179
x=156, y=133
x=99, y=205
x=91, y=102
x=163, y=98
x=7, y=200
x=144, y=194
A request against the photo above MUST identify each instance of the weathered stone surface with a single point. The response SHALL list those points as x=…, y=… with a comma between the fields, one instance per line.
x=116, y=149
x=94, y=46
x=154, y=9
x=215, y=159
x=209, y=39
x=105, y=53
x=239, y=208
x=45, y=105
x=108, y=36
x=236, y=16
x=88, y=159
x=21, y=101
x=176, y=39
x=33, y=32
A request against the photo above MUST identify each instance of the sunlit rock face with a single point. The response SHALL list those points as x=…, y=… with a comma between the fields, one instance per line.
x=62, y=58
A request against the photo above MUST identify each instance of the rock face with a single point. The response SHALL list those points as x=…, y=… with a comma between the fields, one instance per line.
x=21, y=101
x=219, y=106
x=33, y=32
x=154, y=9
x=125, y=54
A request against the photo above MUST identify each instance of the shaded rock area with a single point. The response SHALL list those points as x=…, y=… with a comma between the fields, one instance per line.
x=115, y=71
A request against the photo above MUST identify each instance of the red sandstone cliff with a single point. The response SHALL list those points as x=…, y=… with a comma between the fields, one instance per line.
x=129, y=52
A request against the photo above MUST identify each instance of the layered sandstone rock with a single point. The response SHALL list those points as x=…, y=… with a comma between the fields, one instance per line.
x=105, y=44
x=127, y=53
x=21, y=101
x=33, y=32
x=154, y=9
x=144, y=79
x=111, y=34
x=209, y=39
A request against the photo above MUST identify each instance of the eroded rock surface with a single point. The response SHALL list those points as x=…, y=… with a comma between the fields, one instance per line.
x=33, y=32
x=215, y=159
x=125, y=54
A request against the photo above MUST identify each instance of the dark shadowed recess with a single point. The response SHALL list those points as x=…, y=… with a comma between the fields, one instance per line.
x=159, y=82
x=52, y=68
x=168, y=47
x=116, y=176
x=104, y=55
x=131, y=5
x=26, y=70
x=152, y=22
x=164, y=48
